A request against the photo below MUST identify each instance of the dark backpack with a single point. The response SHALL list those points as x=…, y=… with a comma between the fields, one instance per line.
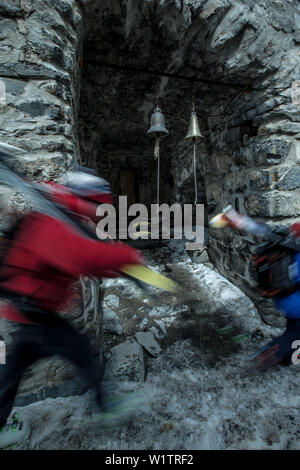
x=276, y=269
x=6, y=238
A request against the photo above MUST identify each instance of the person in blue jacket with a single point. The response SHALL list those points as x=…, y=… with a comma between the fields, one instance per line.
x=285, y=348
x=284, y=279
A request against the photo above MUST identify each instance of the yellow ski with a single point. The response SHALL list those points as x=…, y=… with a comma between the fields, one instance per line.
x=147, y=275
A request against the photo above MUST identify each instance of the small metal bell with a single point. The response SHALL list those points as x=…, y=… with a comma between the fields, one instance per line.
x=194, y=130
x=157, y=125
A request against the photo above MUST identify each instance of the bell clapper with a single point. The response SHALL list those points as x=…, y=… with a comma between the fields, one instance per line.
x=156, y=148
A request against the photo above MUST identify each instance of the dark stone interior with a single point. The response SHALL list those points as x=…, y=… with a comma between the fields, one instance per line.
x=243, y=104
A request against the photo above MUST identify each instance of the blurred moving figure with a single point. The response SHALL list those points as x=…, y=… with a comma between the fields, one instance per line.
x=43, y=257
x=277, y=265
x=283, y=273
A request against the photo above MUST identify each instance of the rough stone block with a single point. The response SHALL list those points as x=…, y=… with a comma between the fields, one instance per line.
x=271, y=151
x=200, y=256
x=297, y=27
x=146, y=339
x=290, y=181
x=281, y=127
x=111, y=321
x=261, y=178
x=273, y=204
x=126, y=362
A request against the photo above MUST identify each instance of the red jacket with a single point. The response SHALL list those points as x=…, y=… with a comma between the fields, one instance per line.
x=47, y=255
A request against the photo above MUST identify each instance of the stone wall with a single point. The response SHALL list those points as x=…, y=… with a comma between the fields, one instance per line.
x=254, y=159
x=40, y=56
x=258, y=171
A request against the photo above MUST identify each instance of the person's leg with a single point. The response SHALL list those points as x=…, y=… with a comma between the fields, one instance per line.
x=280, y=349
x=291, y=334
x=60, y=338
x=22, y=356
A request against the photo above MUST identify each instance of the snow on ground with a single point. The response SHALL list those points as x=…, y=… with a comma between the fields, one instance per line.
x=200, y=392
x=189, y=407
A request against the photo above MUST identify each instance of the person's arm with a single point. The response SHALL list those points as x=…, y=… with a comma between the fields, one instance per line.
x=62, y=247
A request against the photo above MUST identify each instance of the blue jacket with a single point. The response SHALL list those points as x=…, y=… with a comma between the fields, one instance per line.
x=290, y=306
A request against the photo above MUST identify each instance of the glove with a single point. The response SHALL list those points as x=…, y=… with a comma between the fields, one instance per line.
x=140, y=259
x=135, y=256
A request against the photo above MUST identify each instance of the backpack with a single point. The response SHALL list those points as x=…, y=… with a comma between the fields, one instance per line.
x=22, y=302
x=6, y=238
x=4, y=242
x=276, y=270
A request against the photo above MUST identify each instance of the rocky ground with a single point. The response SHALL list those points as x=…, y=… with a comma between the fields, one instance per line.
x=197, y=383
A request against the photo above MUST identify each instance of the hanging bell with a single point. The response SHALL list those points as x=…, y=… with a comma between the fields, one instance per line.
x=194, y=130
x=157, y=125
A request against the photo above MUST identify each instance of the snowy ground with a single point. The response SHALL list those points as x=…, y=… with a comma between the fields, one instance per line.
x=200, y=392
x=190, y=407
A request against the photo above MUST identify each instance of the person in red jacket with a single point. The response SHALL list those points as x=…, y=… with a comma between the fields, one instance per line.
x=46, y=255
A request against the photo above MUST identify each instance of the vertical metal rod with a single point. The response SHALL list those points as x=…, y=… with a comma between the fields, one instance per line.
x=195, y=176
x=158, y=158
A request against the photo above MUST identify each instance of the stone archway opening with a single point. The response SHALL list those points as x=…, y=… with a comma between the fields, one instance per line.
x=248, y=157
x=50, y=50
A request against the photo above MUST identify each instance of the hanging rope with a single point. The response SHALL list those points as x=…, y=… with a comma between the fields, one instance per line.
x=156, y=148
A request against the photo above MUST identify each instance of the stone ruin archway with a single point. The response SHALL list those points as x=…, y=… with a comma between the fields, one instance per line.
x=250, y=153
x=60, y=102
